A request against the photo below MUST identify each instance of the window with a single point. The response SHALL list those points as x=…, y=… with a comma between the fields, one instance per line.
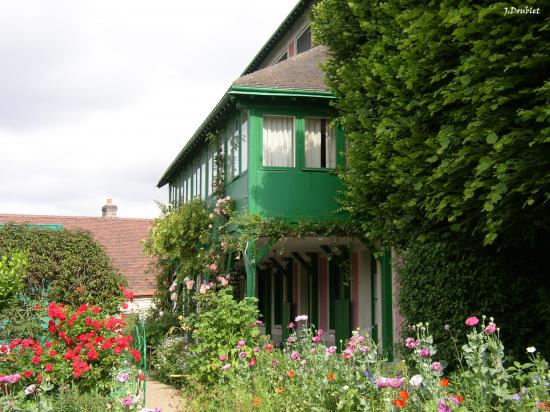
x=203, y=177
x=189, y=186
x=244, y=142
x=320, y=143
x=278, y=141
x=211, y=171
x=236, y=148
x=282, y=57
x=230, y=152
x=197, y=178
x=303, y=41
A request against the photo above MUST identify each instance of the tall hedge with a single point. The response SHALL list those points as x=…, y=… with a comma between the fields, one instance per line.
x=69, y=265
x=444, y=283
x=446, y=108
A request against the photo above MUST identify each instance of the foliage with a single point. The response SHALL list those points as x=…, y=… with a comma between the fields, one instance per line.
x=438, y=282
x=445, y=107
x=218, y=327
x=12, y=272
x=81, y=349
x=307, y=375
x=70, y=264
x=170, y=359
x=23, y=319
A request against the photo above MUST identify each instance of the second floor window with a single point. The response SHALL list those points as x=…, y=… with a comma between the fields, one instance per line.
x=320, y=143
x=278, y=141
x=303, y=42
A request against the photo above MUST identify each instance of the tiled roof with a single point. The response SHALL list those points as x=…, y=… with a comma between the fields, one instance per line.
x=121, y=237
x=302, y=71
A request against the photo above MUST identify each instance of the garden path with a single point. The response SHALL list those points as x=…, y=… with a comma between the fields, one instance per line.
x=162, y=396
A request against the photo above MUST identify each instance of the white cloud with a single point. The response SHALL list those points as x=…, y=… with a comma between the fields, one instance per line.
x=99, y=97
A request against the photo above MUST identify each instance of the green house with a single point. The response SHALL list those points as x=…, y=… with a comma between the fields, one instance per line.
x=281, y=148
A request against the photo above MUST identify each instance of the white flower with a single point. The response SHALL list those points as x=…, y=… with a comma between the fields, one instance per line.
x=300, y=317
x=30, y=389
x=416, y=380
x=531, y=349
x=173, y=297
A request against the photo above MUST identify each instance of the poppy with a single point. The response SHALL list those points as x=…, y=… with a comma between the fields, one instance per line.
x=291, y=374
x=400, y=403
x=444, y=382
x=404, y=395
x=331, y=376
x=279, y=389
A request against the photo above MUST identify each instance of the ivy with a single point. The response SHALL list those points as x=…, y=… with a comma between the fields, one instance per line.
x=445, y=107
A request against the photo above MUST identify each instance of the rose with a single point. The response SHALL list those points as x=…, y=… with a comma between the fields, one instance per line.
x=472, y=321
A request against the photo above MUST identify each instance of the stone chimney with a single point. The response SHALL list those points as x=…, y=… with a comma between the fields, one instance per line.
x=109, y=210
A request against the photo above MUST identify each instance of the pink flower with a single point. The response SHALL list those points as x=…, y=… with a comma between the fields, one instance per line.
x=303, y=363
x=127, y=401
x=411, y=343
x=364, y=349
x=291, y=325
x=242, y=354
x=382, y=382
x=490, y=328
x=213, y=267
x=222, y=358
x=299, y=318
x=274, y=362
x=252, y=362
x=425, y=353
x=320, y=332
x=436, y=366
x=331, y=350
x=241, y=343
x=291, y=339
x=396, y=382
x=294, y=356
x=347, y=354
x=316, y=339
x=226, y=366
x=222, y=280
x=472, y=321
x=189, y=284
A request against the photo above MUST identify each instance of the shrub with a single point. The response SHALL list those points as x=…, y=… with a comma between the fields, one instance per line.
x=70, y=264
x=12, y=271
x=439, y=281
x=220, y=324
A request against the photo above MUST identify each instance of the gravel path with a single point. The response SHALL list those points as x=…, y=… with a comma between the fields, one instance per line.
x=163, y=396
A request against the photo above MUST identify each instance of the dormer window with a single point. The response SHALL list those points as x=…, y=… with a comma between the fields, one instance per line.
x=303, y=41
x=282, y=57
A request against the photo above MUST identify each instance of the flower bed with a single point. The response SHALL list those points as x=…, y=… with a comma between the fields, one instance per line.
x=82, y=352
x=307, y=375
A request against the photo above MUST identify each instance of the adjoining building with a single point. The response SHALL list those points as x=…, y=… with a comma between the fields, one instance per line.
x=275, y=130
x=122, y=239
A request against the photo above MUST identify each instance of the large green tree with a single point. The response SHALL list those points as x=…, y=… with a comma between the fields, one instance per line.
x=446, y=108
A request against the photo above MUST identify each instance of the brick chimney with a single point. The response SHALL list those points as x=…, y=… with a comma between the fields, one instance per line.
x=109, y=210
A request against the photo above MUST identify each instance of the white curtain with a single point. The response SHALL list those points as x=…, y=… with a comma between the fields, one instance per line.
x=278, y=141
x=244, y=142
x=313, y=143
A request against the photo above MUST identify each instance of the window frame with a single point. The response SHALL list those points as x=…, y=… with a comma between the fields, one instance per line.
x=296, y=52
x=295, y=121
x=336, y=145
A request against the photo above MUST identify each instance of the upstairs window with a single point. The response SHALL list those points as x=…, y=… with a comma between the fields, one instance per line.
x=282, y=57
x=236, y=148
x=211, y=171
x=203, y=177
x=303, y=41
x=320, y=143
x=230, y=152
x=278, y=141
x=244, y=142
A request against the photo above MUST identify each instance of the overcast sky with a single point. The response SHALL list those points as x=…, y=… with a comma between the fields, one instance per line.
x=98, y=97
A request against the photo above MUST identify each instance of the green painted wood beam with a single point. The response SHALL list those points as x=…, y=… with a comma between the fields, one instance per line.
x=265, y=91
x=277, y=264
x=302, y=261
x=387, y=305
x=250, y=267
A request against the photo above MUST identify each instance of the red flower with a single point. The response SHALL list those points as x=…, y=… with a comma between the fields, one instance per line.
x=444, y=382
x=83, y=308
x=291, y=374
x=14, y=343
x=35, y=360
x=404, y=395
x=48, y=345
x=141, y=377
x=124, y=305
x=331, y=376
x=27, y=374
x=96, y=310
x=48, y=368
x=39, y=378
x=459, y=399
x=80, y=289
x=92, y=354
x=52, y=353
x=136, y=354
x=400, y=403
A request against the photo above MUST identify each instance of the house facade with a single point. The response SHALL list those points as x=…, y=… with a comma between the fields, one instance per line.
x=280, y=149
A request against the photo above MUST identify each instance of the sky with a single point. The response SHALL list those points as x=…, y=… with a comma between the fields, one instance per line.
x=98, y=97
